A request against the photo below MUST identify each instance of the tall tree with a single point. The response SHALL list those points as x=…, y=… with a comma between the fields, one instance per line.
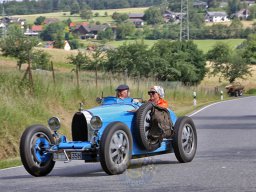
x=153, y=15
x=249, y=49
x=125, y=29
x=180, y=61
x=74, y=8
x=53, y=31
x=226, y=63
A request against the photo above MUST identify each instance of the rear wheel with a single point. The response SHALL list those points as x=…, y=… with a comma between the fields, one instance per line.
x=115, y=148
x=33, y=144
x=185, y=139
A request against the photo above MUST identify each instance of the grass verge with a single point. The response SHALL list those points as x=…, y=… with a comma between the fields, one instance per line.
x=7, y=163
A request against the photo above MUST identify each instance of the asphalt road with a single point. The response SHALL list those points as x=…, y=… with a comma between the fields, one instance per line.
x=225, y=161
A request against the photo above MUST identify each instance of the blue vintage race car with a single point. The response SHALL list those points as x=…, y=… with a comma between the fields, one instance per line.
x=113, y=133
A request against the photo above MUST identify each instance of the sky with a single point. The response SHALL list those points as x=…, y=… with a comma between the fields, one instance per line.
x=1, y=1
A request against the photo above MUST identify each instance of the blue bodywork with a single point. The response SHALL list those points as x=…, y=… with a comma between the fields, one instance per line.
x=112, y=109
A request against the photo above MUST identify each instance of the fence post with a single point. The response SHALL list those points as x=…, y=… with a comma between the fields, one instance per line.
x=194, y=101
x=221, y=95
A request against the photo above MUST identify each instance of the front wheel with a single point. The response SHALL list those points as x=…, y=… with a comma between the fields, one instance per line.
x=33, y=144
x=185, y=139
x=115, y=148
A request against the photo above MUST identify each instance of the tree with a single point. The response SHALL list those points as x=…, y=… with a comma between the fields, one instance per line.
x=235, y=28
x=252, y=10
x=79, y=60
x=213, y=3
x=249, y=49
x=86, y=13
x=233, y=6
x=125, y=29
x=153, y=15
x=95, y=62
x=59, y=40
x=74, y=8
x=174, y=5
x=39, y=20
x=133, y=59
x=227, y=63
x=40, y=60
x=118, y=17
x=107, y=34
x=52, y=32
x=17, y=45
x=178, y=61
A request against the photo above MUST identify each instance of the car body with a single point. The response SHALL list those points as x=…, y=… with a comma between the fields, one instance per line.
x=113, y=133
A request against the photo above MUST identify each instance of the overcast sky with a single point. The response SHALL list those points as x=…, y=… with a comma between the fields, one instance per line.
x=8, y=0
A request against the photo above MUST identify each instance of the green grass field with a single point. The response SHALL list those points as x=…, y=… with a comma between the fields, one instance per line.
x=76, y=18
x=204, y=45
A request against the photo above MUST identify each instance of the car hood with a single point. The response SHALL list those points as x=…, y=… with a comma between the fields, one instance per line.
x=114, y=112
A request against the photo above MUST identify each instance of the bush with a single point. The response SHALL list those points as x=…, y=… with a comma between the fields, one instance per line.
x=252, y=91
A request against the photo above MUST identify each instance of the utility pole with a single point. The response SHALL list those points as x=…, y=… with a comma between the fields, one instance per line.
x=184, y=20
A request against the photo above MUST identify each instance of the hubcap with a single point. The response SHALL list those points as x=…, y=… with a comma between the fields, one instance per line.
x=38, y=145
x=119, y=147
x=187, y=138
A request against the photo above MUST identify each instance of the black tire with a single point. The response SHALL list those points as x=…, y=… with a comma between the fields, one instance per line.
x=115, y=148
x=142, y=128
x=32, y=143
x=185, y=132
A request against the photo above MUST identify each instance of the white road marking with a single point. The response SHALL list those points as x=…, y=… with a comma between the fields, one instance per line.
x=11, y=168
x=215, y=104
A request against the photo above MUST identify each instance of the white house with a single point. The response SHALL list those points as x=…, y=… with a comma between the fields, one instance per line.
x=67, y=46
x=242, y=14
x=29, y=32
x=216, y=17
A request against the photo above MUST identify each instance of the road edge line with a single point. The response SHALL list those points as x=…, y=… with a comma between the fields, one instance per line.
x=198, y=111
x=11, y=168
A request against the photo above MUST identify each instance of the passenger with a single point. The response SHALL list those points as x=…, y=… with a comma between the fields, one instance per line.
x=156, y=94
x=122, y=91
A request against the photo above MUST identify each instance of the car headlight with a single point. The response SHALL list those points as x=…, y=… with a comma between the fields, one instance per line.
x=54, y=123
x=96, y=122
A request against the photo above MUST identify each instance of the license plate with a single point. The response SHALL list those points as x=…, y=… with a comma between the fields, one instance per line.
x=71, y=156
x=59, y=157
x=76, y=155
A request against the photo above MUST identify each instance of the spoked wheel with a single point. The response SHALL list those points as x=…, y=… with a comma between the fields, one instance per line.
x=33, y=144
x=143, y=119
x=185, y=139
x=115, y=148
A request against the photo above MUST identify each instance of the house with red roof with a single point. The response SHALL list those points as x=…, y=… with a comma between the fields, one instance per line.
x=37, y=28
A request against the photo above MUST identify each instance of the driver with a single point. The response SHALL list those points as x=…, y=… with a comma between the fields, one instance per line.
x=156, y=94
x=122, y=91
